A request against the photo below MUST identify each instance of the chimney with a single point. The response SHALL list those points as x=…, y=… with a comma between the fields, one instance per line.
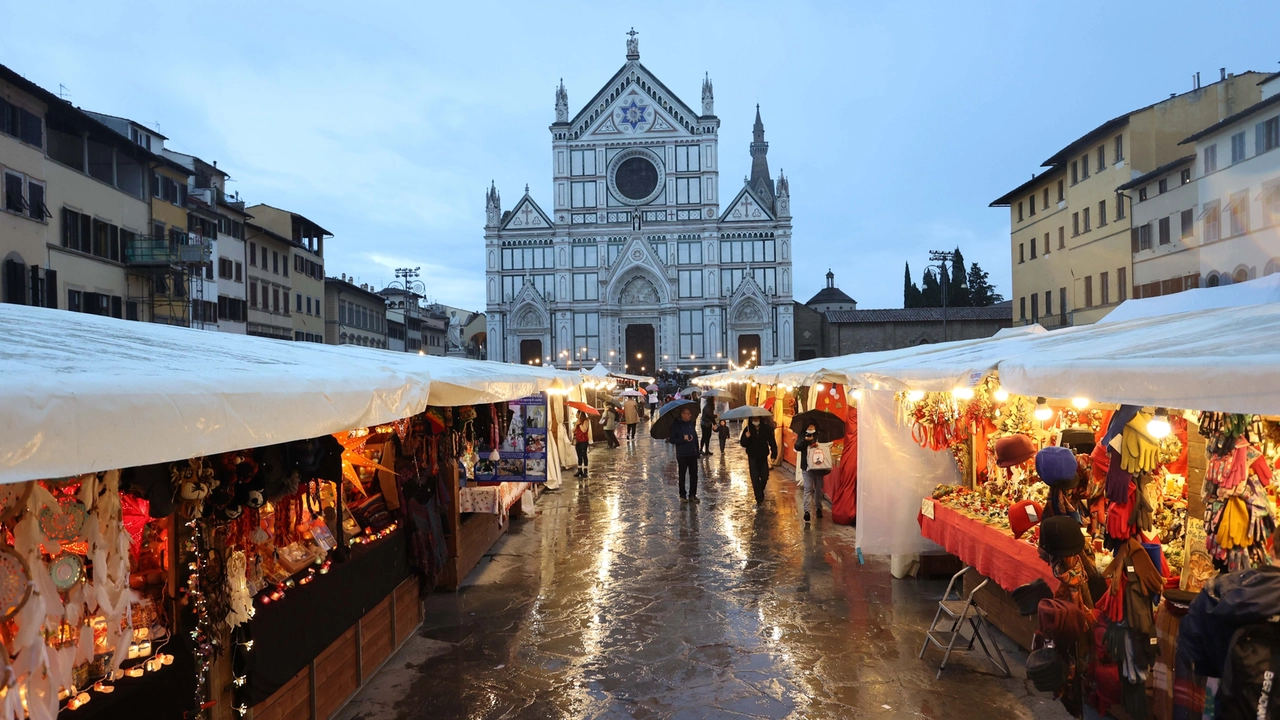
x=1197, y=79
x=1222, y=73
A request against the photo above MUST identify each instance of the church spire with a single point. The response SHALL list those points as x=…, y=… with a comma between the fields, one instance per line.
x=562, y=103
x=760, y=180
x=633, y=45
x=708, y=97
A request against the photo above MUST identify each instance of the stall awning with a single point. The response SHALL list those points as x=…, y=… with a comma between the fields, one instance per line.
x=1254, y=292
x=83, y=393
x=634, y=378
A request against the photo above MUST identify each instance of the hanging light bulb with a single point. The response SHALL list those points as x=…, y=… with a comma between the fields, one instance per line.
x=1158, y=427
x=915, y=395
x=1079, y=403
x=821, y=387
x=1000, y=395
x=856, y=394
x=963, y=393
x=1042, y=412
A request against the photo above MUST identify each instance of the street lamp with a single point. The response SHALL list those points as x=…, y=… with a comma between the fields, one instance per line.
x=943, y=258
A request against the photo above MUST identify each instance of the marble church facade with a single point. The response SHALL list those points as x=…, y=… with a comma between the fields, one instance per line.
x=638, y=264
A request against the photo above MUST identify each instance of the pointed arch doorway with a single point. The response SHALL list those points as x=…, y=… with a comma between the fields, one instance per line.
x=641, y=347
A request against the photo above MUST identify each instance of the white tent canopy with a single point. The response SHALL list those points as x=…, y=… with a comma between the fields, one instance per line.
x=1225, y=360
x=598, y=371
x=83, y=393
x=1254, y=292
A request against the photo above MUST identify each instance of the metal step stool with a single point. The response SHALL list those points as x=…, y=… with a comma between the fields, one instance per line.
x=961, y=609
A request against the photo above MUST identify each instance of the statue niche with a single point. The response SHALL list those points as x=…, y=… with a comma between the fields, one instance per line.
x=638, y=291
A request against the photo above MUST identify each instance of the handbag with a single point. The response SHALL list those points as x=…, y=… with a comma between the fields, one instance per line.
x=818, y=458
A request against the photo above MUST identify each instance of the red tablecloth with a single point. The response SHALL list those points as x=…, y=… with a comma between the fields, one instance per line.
x=989, y=550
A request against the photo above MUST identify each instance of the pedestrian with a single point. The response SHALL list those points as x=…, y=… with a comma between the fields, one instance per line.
x=812, y=480
x=757, y=439
x=722, y=430
x=631, y=416
x=610, y=425
x=708, y=424
x=581, y=441
x=685, y=437
x=653, y=406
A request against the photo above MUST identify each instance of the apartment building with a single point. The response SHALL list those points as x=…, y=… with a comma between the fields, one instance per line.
x=404, y=319
x=1070, y=226
x=1215, y=219
x=269, y=286
x=76, y=208
x=357, y=315
x=220, y=219
x=305, y=259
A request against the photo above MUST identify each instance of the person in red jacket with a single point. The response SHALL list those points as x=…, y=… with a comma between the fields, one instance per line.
x=581, y=441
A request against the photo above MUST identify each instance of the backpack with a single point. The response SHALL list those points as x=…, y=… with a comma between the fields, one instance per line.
x=1251, y=674
x=818, y=458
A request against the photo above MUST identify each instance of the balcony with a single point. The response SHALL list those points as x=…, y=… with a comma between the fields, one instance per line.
x=145, y=251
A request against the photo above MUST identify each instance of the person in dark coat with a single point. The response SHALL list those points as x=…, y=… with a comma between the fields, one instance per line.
x=722, y=431
x=685, y=437
x=812, y=481
x=757, y=439
x=708, y=424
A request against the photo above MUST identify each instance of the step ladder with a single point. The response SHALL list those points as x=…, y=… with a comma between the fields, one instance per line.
x=960, y=610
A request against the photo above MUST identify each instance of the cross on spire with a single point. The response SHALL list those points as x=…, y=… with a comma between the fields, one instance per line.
x=633, y=45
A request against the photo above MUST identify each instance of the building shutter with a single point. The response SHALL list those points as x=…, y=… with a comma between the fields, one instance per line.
x=51, y=289
x=1260, y=138
x=117, y=307
x=1133, y=240
x=15, y=282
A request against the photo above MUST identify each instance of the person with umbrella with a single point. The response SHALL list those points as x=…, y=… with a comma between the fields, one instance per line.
x=675, y=423
x=817, y=428
x=757, y=439
x=610, y=424
x=581, y=441
x=708, y=424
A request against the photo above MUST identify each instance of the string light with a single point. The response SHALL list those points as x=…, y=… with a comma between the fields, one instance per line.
x=1042, y=412
x=1001, y=395
x=963, y=393
x=1158, y=427
x=1079, y=403
x=915, y=395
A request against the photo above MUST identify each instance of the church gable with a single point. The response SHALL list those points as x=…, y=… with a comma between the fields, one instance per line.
x=637, y=261
x=746, y=208
x=526, y=215
x=634, y=103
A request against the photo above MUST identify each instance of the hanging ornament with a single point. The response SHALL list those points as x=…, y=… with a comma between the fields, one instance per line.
x=63, y=524
x=66, y=570
x=352, y=445
x=13, y=498
x=15, y=584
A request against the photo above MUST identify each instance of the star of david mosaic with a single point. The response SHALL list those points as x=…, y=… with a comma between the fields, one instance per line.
x=633, y=114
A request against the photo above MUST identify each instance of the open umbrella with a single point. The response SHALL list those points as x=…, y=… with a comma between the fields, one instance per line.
x=827, y=423
x=652, y=388
x=744, y=412
x=714, y=392
x=668, y=415
x=582, y=407
x=629, y=392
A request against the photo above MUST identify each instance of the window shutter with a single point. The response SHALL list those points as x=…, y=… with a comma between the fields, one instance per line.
x=51, y=289
x=1260, y=138
x=117, y=307
x=1133, y=240
x=15, y=282
x=69, y=227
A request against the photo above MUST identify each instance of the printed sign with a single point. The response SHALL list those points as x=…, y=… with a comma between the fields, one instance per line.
x=926, y=508
x=522, y=448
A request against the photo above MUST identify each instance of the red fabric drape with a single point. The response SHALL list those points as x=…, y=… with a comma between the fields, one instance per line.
x=844, y=477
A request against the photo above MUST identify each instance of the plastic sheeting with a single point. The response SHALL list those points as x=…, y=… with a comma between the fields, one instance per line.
x=1254, y=292
x=83, y=393
x=1226, y=360
x=894, y=474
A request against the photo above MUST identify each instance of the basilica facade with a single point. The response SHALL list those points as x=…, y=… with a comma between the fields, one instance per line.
x=638, y=265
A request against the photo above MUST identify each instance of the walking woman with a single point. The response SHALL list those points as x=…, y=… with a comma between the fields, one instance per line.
x=611, y=426
x=757, y=439
x=685, y=437
x=812, y=480
x=631, y=416
x=708, y=424
x=581, y=441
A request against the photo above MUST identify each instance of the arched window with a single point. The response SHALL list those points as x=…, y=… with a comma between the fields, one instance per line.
x=1240, y=275
x=1213, y=280
x=1273, y=266
x=342, y=340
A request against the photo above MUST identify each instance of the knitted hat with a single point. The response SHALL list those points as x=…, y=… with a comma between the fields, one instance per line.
x=1046, y=670
x=1028, y=596
x=1079, y=439
x=1057, y=467
x=1014, y=450
x=1060, y=536
x=1023, y=516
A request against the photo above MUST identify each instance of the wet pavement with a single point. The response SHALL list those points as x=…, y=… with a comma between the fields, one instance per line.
x=618, y=601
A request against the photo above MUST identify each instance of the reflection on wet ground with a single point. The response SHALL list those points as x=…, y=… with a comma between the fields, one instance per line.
x=617, y=601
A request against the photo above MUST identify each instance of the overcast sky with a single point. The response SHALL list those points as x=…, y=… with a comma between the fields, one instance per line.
x=896, y=123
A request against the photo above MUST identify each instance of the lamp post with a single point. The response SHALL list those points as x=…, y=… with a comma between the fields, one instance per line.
x=943, y=258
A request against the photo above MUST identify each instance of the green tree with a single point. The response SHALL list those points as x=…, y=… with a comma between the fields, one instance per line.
x=910, y=291
x=981, y=292
x=930, y=290
x=958, y=289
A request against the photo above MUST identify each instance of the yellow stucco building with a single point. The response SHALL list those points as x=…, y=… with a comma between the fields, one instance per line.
x=1070, y=227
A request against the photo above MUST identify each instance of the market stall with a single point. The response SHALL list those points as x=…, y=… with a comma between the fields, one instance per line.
x=212, y=525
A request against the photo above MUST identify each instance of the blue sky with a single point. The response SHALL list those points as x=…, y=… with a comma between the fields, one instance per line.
x=896, y=123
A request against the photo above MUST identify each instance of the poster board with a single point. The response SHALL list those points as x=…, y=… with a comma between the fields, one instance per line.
x=522, y=450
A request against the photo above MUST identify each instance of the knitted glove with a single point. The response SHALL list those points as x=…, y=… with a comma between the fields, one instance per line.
x=1233, y=528
x=1118, y=479
x=1140, y=452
